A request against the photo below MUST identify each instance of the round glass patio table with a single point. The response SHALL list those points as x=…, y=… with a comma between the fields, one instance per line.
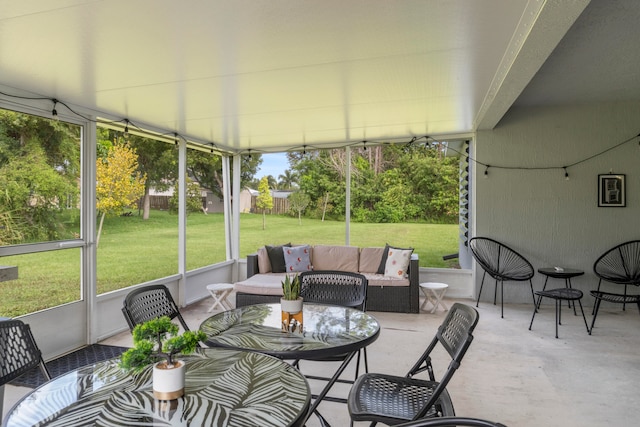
x=328, y=330
x=223, y=387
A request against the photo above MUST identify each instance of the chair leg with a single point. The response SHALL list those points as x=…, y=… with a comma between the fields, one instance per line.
x=596, y=307
x=183, y=323
x=557, y=314
x=502, y=298
x=366, y=361
x=535, y=310
x=533, y=296
x=1, y=398
x=624, y=303
x=480, y=291
x=495, y=292
x=582, y=311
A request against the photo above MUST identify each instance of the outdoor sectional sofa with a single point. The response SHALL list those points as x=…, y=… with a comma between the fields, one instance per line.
x=384, y=293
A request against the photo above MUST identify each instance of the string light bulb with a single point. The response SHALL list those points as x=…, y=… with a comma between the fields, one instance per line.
x=566, y=174
x=250, y=156
x=304, y=150
x=126, y=129
x=486, y=171
x=175, y=138
x=364, y=145
x=54, y=112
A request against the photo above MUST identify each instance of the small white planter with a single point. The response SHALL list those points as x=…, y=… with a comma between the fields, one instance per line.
x=168, y=383
x=291, y=306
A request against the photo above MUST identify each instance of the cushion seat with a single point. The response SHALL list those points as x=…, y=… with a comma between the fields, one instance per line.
x=261, y=284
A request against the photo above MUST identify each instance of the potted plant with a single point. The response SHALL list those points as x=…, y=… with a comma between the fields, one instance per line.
x=291, y=301
x=157, y=342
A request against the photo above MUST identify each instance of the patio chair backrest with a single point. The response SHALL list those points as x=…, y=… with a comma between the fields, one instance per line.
x=500, y=261
x=19, y=353
x=334, y=287
x=620, y=264
x=150, y=302
x=455, y=334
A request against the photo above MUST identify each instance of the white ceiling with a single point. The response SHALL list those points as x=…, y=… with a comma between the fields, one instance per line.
x=274, y=75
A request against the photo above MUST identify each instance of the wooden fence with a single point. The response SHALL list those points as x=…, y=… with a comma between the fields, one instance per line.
x=280, y=205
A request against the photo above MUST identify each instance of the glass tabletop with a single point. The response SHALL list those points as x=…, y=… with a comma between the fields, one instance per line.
x=223, y=387
x=327, y=331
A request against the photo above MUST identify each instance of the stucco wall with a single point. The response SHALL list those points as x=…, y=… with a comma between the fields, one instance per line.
x=548, y=219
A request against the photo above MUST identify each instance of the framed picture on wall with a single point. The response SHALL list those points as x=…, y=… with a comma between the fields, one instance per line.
x=611, y=191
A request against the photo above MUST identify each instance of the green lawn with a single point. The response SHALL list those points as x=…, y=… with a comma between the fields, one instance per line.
x=133, y=251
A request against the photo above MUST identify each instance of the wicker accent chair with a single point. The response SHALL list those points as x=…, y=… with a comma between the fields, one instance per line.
x=19, y=353
x=150, y=302
x=451, y=422
x=394, y=400
x=619, y=265
x=336, y=288
x=503, y=264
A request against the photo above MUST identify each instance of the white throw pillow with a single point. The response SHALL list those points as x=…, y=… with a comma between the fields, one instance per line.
x=397, y=263
x=297, y=258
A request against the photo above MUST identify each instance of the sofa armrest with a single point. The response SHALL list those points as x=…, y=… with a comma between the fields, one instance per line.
x=414, y=284
x=252, y=265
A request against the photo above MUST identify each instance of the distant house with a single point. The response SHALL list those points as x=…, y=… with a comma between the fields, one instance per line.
x=214, y=204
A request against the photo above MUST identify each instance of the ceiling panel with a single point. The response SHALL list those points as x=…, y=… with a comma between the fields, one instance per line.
x=266, y=75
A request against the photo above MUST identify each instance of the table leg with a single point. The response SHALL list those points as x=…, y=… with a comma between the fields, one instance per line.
x=543, y=288
x=325, y=390
x=568, y=285
x=426, y=298
x=437, y=299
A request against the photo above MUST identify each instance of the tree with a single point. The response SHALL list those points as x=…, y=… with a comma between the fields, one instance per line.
x=273, y=183
x=39, y=171
x=158, y=161
x=298, y=202
x=119, y=184
x=206, y=170
x=194, y=198
x=390, y=183
x=264, y=200
x=287, y=180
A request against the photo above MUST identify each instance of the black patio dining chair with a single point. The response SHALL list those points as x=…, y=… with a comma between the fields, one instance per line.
x=19, y=353
x=619, y=265
x=503, y=264
x=150, y=302
x=341, y=288
x=451, y=422
x=394, y=400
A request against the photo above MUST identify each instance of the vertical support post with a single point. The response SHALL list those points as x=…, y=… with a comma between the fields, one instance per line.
x=347, y=213
x=235, y=207
x=182, y=220
x=88, y=229
x=227, y=206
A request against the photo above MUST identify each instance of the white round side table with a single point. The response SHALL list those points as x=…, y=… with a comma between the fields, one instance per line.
x=434, y=292
x=219, y=292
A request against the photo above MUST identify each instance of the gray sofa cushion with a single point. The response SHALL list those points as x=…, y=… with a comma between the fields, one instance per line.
x=276, y=256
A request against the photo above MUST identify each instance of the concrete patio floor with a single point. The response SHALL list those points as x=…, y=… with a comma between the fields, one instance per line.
x=510, y=374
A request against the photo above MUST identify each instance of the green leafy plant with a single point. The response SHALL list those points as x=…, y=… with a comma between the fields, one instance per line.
x=158, y=339
x=291, y=287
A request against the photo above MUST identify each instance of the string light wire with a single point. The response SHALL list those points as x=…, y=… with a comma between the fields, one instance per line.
x=213, y=147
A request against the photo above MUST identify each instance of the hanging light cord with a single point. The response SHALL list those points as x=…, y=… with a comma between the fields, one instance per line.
x=361, y=143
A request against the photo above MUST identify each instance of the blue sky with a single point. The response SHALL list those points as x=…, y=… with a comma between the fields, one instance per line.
x=273, y=164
